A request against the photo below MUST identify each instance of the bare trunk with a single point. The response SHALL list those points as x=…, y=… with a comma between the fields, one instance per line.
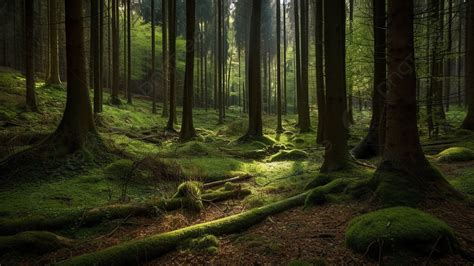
x=31, y=104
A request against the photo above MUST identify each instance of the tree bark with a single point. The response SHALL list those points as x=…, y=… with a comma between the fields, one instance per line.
x=469, y=66
x=95, y=54
x=320, y=88
x=278, y=68
x=337, y=154
x=172, y=64
x=303, y=114
x=77, y=122
x=115, y=54
x=372, y=144
x=53, y=75
x=164, y=54
x=255, y=128
x=31, y=104
x=129, y=51
x=153, y=57
x=187, y=128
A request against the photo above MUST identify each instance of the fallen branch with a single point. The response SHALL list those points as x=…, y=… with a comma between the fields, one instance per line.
x=222, y=182
x=111, y=212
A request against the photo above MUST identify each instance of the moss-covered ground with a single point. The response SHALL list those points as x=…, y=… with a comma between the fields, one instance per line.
x=143, y=163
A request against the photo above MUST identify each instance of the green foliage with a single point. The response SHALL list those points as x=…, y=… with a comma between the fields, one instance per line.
x=399, y=229
x=455, y=154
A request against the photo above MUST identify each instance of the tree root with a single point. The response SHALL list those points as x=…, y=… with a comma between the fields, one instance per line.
x=222, y=182
x=97, y=215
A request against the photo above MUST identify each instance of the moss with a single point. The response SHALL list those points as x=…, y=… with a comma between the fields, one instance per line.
x=229, y=186
x=399, y=229
x=206, y=243
x=455, y=154
x=118, y=169
x=464, y=182
x=315, y=197
x=33, y=242
x=321, y=180
x=293, y=155
x=193, y=148
x=148, y=248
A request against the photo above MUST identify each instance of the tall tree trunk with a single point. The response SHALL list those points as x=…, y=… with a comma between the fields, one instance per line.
x=187, y=128
x=164, y=54
x=320, y=88
x=220, y=58
x=101, y=54
x=153, y=57
x=77, y=122
x=297, y=90
x=448, y=63
x=53, y=75
x=172, y=64
x=372, y=144
x=115, y=54
x=460, y=57
x=404, y=167
x=31, y=104
x=95, y=53
x=255, y=128
x=337, y=154
x=350, y=109
x=278, y=70
x=129, y=51
x=285, y=87
x=469, y=66
x=303, y=97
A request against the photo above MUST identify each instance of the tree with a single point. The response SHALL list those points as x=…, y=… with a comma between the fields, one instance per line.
x=336, y=135
x=30, y=56
x=404, y=167
x=77, y=122
x=255, y=128
x=372, y=144
x=164, y=54
x=172, y=64
x=187, y=128
x=115, y=54
x=153, y=52
x=53, y=73
x=129, y=52
x=95, y=44
x=220, y=62
x=469, y=66
x=320, y=90
x=278, y=34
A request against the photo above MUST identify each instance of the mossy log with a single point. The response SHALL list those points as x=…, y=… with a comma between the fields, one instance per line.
x=33, y=242
x=136, y=252
x=111, y=212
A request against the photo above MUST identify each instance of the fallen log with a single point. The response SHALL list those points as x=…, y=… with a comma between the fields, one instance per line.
x=222, y=182
x=111, y=212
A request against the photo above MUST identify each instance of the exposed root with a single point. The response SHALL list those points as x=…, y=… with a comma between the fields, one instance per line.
x=33, y=242
x=223, y=182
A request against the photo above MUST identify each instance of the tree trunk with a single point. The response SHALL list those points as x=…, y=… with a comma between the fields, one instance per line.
x=297, y=89
x=53, y=75
x=372, y=144
x=255, y=129
x=77, y=122
x=187, y=128
x=320, y=89
x=129, y=51
x=278, y=68
x=220, y=58
x=31, y=104
x=115, y=54
x=153, y=59
x=164, y=54
x=337, y=155
x=285, y=96
x=469, y=66
x=172, y=64
x=95, y=53
x=448, y=63
x=303, y=115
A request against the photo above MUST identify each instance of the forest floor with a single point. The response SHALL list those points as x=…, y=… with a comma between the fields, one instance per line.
x=312, y=236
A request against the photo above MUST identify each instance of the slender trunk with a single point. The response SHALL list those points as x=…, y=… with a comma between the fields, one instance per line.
x=448, y=63
x=278, y=70
x=115, y=54
x=220, y=74
x=53, y=76
x=372, y=144
x=31, y=104
x=337, y=154
x=95, y=53
x=297, y=90
x=129, y=51
x=187, y=128
x=153, y=55
x=460, y=57
x=172, y=64
x=285, y=96
x=164, y=54
x=320, y=88
x=469, y=66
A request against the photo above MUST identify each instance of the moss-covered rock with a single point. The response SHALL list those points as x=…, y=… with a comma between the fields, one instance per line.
x=455, y=154
x=293, y=155
x=33, y=242
x=399, y=230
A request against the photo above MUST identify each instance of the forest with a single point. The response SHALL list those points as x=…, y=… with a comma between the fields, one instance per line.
x=237, y=132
